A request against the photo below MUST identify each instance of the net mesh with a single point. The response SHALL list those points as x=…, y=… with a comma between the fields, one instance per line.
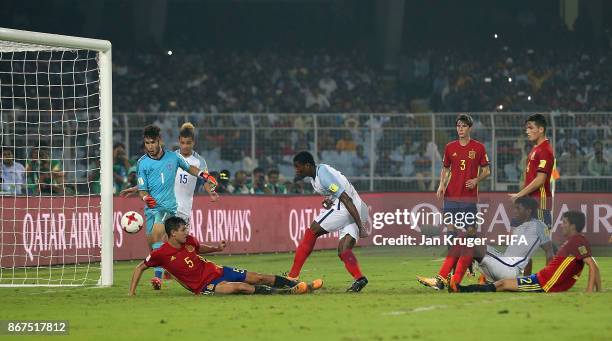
x=50, y=165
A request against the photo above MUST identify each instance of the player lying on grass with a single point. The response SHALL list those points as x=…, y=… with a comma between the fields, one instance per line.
x=560, y=274
x=345, y=212
x=180, y=256
x=531, y=233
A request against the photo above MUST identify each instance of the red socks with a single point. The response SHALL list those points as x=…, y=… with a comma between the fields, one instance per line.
x=302, y=253
x=351, y=264
x=450, y=261
x=464, y=263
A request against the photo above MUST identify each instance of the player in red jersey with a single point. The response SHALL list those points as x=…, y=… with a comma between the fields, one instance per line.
x=561, y=273
x=465, y=165
x=539, y=168
x=180, y=256
x=538, y=171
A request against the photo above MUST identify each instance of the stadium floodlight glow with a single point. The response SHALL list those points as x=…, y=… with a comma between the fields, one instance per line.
x=495, y=36
x=529, y=98
x=56, y=111
x=500, y=107
x=509, y=79
x=169, y=52
x=487, y=80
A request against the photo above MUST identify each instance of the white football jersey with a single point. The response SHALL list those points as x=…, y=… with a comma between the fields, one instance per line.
x=331, y=183
x=519, y=253
x=185, y=184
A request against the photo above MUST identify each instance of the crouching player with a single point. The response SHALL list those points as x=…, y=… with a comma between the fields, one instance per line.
x=561, y=273
x=180, y=256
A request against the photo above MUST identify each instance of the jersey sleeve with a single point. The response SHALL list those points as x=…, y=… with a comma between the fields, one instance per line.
x=182, y=162
x=446, y=161
x=152, y=260
x=330, y=182
x=203, y=164
x=542, y=233
x=580, y=248
x=545, y=161
x=143, y=183
x=193, y=241
x=484, y=158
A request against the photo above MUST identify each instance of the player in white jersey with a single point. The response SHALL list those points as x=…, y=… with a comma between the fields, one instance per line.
x=185, y=184
x=345, y=212
x=530, y=234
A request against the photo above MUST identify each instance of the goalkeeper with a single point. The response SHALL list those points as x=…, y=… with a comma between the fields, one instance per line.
x=156, y=176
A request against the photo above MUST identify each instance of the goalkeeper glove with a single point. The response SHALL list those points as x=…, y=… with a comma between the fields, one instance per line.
x=207, y=177
x=150, y=201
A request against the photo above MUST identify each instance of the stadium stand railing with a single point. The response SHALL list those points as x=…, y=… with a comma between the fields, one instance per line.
x=386, y=152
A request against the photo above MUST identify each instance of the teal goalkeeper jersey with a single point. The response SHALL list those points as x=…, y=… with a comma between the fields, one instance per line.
x=157, y=177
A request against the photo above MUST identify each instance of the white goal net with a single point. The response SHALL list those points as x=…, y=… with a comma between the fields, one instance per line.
x=55, y=204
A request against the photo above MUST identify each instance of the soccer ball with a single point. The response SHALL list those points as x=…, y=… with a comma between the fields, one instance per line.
x=131, y=222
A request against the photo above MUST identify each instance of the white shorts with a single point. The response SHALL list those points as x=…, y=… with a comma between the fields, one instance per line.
x=338, y=218
x=495, y=266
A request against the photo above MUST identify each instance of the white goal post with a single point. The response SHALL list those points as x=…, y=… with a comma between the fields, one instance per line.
x=48, y=85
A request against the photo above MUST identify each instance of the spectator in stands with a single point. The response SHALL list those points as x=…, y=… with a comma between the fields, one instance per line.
x=240, y=183
x=12, y=173
x=346, y=143
x=258, y=182
x=598, y=165
x=132, y=179
x=224, y=185
x=299, y=186
x=570, y=164
x=273, y=186
x=44, y=176
x=121, y=164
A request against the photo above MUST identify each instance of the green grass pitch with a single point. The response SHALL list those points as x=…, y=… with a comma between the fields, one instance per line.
x=392, y=307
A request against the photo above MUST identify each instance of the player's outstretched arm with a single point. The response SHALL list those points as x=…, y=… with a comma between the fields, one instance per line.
x=533, y=185
x=594, y=275
x=195, y=171
x=140, y=268
x=128, y=191
x=204, y=249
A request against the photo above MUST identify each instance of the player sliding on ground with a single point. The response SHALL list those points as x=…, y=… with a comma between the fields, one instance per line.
x=344, y=212
x=560, y=274
x=180, y=256
x=530, y=234
x=465, y=165
x=157, y=170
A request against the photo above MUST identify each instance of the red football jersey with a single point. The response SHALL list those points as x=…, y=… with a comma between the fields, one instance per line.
x=541, y=159
x=565, y=268
x=185, y=265
x=464, y=163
